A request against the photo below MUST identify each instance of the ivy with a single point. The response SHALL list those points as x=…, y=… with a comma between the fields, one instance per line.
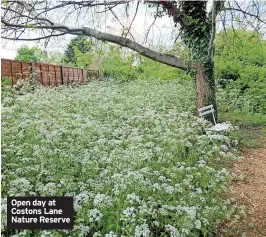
x=197, y=34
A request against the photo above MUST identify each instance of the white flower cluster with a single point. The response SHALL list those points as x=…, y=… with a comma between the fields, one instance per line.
x=95, y=215
x=133, y=156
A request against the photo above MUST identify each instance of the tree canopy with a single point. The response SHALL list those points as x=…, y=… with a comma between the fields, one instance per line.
x=79, y=44
x=33, y=54
x=36, y=54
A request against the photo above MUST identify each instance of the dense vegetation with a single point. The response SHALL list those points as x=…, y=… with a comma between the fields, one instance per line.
x=241, y=59
x=129, y=148
x=240, y=63
x=133, y=155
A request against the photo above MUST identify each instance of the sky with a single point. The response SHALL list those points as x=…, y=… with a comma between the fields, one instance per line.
x=161, y=33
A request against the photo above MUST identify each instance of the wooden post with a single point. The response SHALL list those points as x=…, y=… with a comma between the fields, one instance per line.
x=49, y=75
x=55, y=76
x=32, y=70
x=21, y=70
x=12, y=73
x=62, y=75
x=82, y=75
x=73, y=74
x=41, y=75
x=68, y=78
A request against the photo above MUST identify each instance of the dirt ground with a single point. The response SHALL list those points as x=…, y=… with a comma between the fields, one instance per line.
x=250, y=190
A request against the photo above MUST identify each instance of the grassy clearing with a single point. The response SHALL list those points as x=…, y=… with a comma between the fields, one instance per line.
x=132, y=154
x=251, y=132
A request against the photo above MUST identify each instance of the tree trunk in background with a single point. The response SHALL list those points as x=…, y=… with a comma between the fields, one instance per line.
x=205, y=85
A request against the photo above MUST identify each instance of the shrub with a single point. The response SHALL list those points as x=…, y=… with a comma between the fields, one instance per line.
x=241, y=57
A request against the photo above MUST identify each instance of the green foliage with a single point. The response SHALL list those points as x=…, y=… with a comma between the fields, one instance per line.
x=78, y=47
x=241, y=46
x=150, y=69
x=6, y=81
x=5, y=3
x=241, y=57
x=34, y=54
x=118, y=65
x=55, y=58
x=134, y=66
x=237, y=109
x=31, y=26
x=121, y=63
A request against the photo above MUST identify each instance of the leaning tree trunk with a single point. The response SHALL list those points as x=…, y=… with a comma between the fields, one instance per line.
x=205, y=85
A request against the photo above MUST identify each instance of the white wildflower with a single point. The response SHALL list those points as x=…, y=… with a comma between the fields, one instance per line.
x=142, y=230
x=95, y=215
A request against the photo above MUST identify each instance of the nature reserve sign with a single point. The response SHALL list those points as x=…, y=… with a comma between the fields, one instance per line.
x=40, y=213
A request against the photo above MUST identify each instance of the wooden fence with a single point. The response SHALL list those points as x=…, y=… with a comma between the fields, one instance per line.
x=46, y=74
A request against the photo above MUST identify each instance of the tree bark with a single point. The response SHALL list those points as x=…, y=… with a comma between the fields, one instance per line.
x=205, y=85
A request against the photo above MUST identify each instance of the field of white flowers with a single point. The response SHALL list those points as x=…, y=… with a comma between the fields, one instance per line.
x=132, y=155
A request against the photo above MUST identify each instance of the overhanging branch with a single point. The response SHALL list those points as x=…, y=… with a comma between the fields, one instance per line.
x=43, y=23
x=159, y=57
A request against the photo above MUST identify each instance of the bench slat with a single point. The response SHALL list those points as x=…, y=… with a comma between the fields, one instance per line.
x=206, y=107
x=206, y=112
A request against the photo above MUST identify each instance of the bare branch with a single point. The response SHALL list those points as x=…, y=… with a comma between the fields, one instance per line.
x=160, y=57
x=133, y=19
x=244, y=12
x=33, y=39
x=152, y=24
x=111, y=10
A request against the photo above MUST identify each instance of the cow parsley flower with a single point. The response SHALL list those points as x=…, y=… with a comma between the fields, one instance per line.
x=111, y=234
x=172, y=231
x=95, y=215
x=142, y=230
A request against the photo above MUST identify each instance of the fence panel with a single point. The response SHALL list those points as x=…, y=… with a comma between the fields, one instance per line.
x=25, y=70
x=6, y=68
x=37, y=72
x=52, y=78
x=66, y=75
x=58, y=75
x=46, y=74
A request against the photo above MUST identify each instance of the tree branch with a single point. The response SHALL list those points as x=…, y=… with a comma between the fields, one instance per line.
x=133, y=18
x=159, y=57
x=244, y=12
x=178, y=16
x=33, y=39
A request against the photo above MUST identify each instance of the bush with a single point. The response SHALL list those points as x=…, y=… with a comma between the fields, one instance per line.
x=241, y=58
x=238, y=108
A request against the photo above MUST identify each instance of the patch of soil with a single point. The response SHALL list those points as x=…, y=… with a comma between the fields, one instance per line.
x=250, y=190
